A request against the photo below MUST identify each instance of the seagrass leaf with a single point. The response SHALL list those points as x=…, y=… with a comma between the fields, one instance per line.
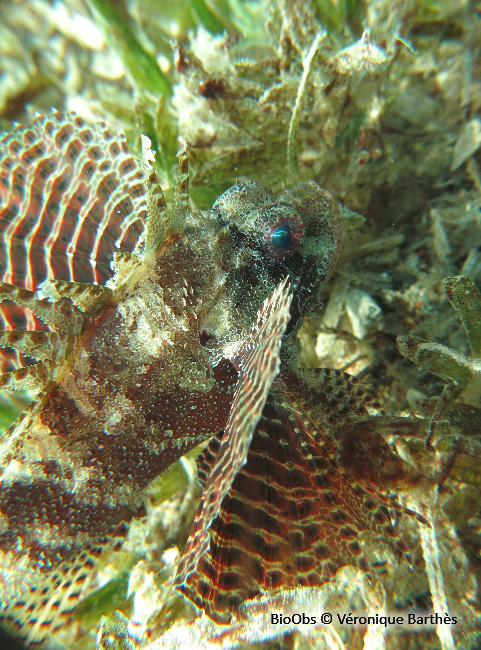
x=444, y=362
x=465, y=297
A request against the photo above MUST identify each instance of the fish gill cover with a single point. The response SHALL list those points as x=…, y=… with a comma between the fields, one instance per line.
x=364, y=99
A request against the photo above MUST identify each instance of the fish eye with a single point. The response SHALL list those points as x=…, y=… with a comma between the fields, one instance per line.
x=281, y=237
x=284, y=238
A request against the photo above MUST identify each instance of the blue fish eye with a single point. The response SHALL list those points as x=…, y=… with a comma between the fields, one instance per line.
x=281, y=237
x=284, y=237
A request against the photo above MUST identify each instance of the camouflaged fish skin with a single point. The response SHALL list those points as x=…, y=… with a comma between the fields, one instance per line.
x=141, y=371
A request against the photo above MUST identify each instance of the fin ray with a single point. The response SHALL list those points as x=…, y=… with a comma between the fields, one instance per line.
x=260, y=365
x=33, y=377
x=162, y=222
x=40, y=345
x=62, y=315
x=158, y=214
x=85, y=296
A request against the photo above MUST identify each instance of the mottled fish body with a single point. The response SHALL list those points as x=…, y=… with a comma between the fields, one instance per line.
x=133, y=371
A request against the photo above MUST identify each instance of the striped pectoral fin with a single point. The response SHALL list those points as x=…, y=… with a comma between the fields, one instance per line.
x=62, y=315
x=258, y=369
x=360, y=472
x=289, y=520
x=70, y=196
x=45, y=346
x=326, y=396
x=375, y=504
x=34, y=377
x=366, y=459
x=335, y=409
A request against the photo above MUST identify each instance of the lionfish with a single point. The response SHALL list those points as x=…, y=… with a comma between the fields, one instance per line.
x=145, y=331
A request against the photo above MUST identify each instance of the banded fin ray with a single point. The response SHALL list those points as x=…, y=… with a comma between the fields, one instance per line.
x=180, y=203
x=86, y=297
x=14, y=317
x=32, y=377
x=258, y=369
x=62, y=316
x=333, y=406
x=40, y=345
x=157, y=209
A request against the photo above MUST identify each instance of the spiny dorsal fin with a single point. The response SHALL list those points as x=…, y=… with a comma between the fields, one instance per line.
x=34, y=377
x=161, y=222
x=62, y=315
x=87, y=297
x=40, y=345
x=180, y=204
x=158, y=215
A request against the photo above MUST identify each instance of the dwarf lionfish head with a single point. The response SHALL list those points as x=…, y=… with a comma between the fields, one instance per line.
x=295, y=234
